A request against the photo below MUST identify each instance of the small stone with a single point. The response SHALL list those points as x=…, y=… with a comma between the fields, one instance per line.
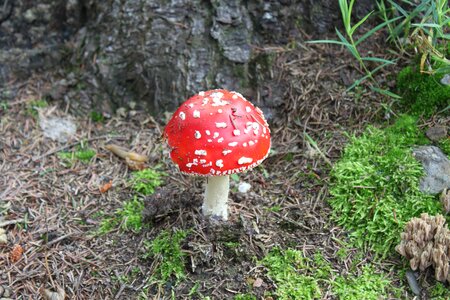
x=244, y=187
x=437, y=169
x=436, y=133
x=446, y=79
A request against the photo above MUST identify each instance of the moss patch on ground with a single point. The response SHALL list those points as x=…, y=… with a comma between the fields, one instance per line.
x=422, y=94
x=375, y=186
x=300, y=277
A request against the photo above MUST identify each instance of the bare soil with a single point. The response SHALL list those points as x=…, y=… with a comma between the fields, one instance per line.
x=53, y=209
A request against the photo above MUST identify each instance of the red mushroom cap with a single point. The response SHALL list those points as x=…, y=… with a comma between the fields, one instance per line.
x=217, y=132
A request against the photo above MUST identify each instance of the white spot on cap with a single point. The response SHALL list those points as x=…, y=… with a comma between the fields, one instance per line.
x=196, y=114
x=189, y=165
x=248, y=109
x=220, y=111
x=236, y=132
x=219, y=163
x=203, y=161
x=209, y=140
x=205, y=101
x=234, y=97
x=202, y=93
x=244, y=144
x=182, y=115
x=244, y=160
x=225, y=152
x=233, y=144
x=217, y=95
x=197, y=134
x=208, y=132
x=191, y=105
x=200, y=152
x=251, y=143
x=220, y=140
x=216, y=134
x=221, y=125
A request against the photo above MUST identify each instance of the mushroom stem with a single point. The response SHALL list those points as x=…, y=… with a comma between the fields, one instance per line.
x=216, y=197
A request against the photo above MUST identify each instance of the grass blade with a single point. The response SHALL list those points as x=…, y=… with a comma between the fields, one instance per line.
x=376, y=59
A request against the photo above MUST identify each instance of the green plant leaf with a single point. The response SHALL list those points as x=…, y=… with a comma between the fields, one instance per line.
x=352, y=31
x=377, y=59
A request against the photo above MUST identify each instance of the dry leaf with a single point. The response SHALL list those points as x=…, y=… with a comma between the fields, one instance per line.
x=16, y=253
x=104, y=188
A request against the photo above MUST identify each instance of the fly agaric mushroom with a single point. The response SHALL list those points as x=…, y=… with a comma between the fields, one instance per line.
x=217, y=133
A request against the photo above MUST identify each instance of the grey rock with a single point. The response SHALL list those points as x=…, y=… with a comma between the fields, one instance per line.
x=446, y=79
x=437, y=169
x=436, y=133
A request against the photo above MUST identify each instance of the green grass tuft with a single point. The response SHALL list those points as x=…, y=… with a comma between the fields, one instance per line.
x=423, y=94
x=128, y=218
x=375, y=186
x=166, y=248
x=146, y=181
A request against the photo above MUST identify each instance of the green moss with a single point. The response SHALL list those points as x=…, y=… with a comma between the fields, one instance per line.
x=290, y=271
x=128, y=218
x=369, y=286
x=422, y=94
x=298, y=277
x=445, y=146
x=97, y=117
x=33, y=106
x=82, y=154
x=375, y=186
x=439, y=292
x=146, y=181
x=166, y=249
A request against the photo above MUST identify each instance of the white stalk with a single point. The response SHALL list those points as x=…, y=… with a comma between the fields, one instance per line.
x=216, y=197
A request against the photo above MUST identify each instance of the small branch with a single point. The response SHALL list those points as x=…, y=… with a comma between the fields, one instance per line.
x=11, y=222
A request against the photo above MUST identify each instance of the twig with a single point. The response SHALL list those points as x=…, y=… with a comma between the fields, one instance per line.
x=11, y=222
x=76, y=143
x=59, y=239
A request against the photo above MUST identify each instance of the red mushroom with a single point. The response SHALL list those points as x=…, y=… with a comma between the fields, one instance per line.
x=217, y=133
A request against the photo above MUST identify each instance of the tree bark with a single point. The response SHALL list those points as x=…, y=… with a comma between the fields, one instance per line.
x=156, y=53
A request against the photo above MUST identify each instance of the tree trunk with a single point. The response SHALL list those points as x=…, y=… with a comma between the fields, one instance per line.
x=156, y=53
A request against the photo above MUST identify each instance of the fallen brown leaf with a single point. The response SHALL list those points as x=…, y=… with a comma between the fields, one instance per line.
x=16, y=253
x=104, y=188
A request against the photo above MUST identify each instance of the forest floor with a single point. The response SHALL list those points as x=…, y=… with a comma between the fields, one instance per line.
x=55, y=206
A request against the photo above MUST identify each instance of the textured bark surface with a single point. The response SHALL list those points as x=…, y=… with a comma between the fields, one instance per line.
x=155, y=52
